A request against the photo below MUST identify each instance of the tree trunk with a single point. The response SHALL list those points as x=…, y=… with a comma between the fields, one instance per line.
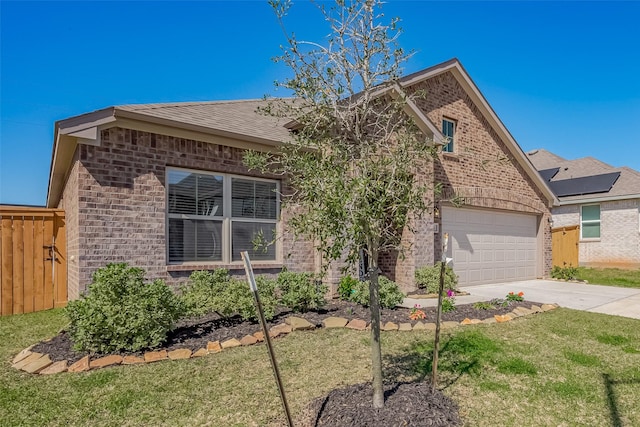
x=376, y=349
x=436, y=342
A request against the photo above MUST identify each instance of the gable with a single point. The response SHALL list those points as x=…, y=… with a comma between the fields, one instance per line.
x=450, y=90
x=483, y=157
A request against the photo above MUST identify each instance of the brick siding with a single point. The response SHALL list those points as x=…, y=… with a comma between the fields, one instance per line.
x=69, y=202
x=121, y=204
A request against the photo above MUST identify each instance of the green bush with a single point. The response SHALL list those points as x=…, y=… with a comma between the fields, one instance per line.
x=202, y=293
x=218, y=292
x=239, y=295
x=121, y=312
x=346, y=287
x=390, y=294
x=299, y=292
x=428, y=278
x=564, y=273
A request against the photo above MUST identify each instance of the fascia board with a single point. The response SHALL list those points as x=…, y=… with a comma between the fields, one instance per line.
x=86, y=121
x=63, y=154
x=598, y=200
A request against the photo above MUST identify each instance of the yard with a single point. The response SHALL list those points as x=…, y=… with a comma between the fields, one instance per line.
x=563, y=367
x=610, y=276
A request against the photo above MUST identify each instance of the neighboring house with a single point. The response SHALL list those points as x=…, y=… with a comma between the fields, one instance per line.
x=602, y=200
x=163, y=187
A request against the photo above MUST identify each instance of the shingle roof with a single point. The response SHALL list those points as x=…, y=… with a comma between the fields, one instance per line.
x=543, y=159
x=627, y=184
x=235, y=117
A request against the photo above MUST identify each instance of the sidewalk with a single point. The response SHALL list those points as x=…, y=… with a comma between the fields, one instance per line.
x=594, y=298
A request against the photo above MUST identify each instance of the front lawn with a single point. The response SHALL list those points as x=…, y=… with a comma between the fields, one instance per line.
x=610, y=276
x=564, y=367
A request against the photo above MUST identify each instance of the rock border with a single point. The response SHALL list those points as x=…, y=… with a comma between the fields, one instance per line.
x=39, y=363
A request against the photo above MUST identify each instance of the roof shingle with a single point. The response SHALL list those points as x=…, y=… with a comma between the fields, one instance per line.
x=236, y=117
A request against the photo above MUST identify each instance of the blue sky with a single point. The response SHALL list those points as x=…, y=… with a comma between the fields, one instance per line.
x=561, y=76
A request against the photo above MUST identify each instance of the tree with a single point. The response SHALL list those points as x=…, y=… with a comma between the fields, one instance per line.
x=356, y=162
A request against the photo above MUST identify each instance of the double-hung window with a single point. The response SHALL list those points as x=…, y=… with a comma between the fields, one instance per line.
x=590, y=222
x=213, y=217
x=448, y=130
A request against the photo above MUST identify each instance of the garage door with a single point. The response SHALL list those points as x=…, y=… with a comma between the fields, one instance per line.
x=490, y=246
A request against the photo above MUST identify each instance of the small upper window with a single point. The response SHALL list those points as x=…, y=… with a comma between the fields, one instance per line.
x=590, y=222
x=448, y=130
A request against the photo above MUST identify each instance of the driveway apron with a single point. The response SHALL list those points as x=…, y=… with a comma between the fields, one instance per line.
x=579, y=296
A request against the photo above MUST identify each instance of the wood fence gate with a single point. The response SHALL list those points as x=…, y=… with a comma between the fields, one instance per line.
x=33, y=259
x=564, y=246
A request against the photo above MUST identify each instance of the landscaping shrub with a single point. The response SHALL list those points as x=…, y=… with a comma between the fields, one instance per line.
x=564, y=273
x=202, y=293
x=122, y=312
x=299, y=291
x=346, y=287
x=390, y=294
x=240, y=297
x=428, y=278
x=218, y=292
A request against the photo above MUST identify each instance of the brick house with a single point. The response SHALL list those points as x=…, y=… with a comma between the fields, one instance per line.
x=603, y=201
x=163, y=187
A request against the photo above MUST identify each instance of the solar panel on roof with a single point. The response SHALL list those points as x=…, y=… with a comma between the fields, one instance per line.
x=548, y=174
x=584, y=185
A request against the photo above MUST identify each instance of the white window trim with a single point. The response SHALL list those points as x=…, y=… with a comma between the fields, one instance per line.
x=453, y=139
x=591, y=221
x=226, y=218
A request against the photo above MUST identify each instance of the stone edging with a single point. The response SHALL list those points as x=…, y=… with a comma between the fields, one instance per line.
x=39, y=363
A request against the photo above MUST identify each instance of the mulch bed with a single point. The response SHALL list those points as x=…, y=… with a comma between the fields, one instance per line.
x=196, y=333
x=406, y=404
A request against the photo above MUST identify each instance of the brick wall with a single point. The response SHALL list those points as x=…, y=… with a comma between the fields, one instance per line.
x=69, y=203
x=121, y=203
x=619, y=243
x=566, y=216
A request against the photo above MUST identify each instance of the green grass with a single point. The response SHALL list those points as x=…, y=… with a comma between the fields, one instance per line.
x=610, y=277
x=564, y=367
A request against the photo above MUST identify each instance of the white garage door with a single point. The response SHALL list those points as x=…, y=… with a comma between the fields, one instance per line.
x=490, y=246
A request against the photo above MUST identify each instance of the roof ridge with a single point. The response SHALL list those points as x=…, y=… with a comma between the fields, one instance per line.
x=159, y=105
x=595, y=159
x=631, y=170
x=427, y=70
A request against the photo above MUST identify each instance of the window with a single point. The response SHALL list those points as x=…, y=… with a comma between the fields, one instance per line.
x=448, y=130
x=590, y=222
x=213, y=217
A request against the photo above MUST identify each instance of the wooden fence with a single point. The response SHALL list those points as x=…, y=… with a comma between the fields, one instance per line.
x=33, y=259
x=564, y=246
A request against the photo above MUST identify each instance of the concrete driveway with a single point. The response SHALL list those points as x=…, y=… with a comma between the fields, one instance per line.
x=595, y=298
